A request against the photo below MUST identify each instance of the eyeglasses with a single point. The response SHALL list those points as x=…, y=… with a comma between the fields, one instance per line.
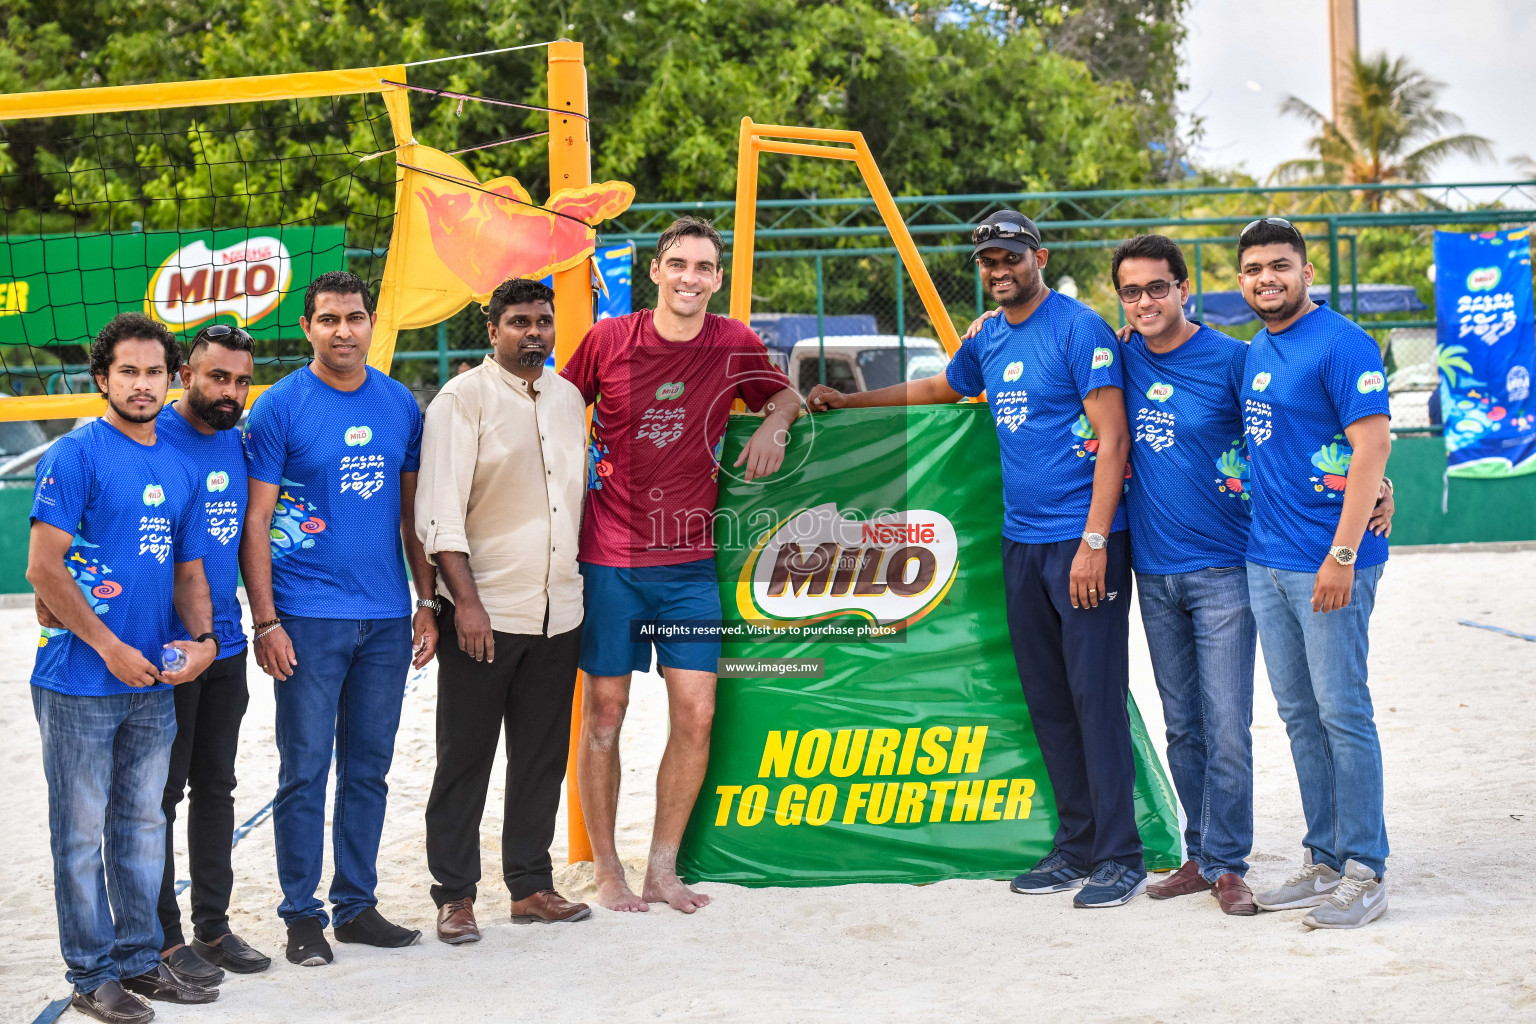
x=220, y=331
x=1277, y=221
x=1132, y=292
x=987, y=232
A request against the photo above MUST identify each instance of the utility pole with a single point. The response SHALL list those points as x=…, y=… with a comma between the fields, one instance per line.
x=1343, y=42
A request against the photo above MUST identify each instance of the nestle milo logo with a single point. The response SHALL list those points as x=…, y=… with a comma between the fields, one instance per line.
x=1160, y=392
x=218, y=480
x=1013, y=371
x=358, y=435
x=889, y=571
x=154, y=494
x=1370, y=380
x=1483, y=278
x=667, y=392
x=1261, y=381
x=1102, y=357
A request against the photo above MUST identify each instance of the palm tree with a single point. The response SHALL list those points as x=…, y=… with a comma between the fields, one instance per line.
x=1390, y=131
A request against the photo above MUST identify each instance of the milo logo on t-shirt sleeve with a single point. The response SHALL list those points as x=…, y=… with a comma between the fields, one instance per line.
x=1102, y=357
x=1370, y=380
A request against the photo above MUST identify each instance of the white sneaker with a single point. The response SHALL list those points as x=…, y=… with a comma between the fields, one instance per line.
x=1360, y=898
x=1309, y=887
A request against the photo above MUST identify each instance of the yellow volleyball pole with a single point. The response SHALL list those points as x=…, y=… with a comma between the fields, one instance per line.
x=570, y=166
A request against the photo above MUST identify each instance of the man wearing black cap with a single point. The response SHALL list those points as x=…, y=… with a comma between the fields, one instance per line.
x=1050, y=369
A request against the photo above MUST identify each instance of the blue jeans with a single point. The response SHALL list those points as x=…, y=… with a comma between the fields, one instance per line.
x=344, y=694
x=1201, y=636
x=1317, y=668
x=105, y=759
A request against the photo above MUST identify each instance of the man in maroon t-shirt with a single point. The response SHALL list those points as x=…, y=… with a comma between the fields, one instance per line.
x=662, y=383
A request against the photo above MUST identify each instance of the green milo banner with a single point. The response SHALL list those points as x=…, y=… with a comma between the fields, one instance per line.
x=61, y=289
x=876, y=549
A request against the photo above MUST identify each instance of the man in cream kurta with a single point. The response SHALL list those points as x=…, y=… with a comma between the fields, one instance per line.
x=498, y=508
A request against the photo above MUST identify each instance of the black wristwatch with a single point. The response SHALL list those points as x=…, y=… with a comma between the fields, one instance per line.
x=217, y=647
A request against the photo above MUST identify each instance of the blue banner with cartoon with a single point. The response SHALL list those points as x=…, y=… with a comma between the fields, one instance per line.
x=1487, y=352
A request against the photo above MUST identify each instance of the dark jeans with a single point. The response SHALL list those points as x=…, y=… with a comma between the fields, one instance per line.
x=1201, y=636
x=527, y=691
x=344, y=695
x=1074, y=666
x=105, y=761
x=208, y=714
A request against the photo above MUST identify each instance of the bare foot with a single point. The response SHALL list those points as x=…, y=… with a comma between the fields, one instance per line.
x=615, y=894
x=665, y=888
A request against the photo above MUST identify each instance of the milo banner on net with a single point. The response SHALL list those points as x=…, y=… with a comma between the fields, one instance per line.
x=1486, y=352
x=906, y=754
x=61, y=289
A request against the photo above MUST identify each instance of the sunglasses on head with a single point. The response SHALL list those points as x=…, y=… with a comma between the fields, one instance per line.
x=1277, y=221
x=1156, y=289
x=218, y=331
x=987, y=232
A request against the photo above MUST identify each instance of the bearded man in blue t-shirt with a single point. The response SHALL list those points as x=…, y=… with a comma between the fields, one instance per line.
x=333, y=450
x=1051, y=372
x=1316, y=415
x=116, y=560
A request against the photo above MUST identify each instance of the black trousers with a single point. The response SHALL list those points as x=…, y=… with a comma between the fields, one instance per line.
x=208, y=714
x=527, y=690
x=1074, y=666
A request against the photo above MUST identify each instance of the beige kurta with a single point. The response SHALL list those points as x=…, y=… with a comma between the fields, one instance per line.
x=503, y=477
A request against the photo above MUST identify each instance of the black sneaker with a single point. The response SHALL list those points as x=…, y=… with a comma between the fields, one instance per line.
x=188, y=966
x=306, y=943
x=370, y=929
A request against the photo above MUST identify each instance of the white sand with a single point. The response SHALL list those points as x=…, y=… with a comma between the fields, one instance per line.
x=1458, y=723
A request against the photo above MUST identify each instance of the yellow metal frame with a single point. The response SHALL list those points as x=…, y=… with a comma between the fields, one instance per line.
x=846, y=145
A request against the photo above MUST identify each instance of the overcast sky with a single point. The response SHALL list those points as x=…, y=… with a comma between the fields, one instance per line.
x=1242, y=59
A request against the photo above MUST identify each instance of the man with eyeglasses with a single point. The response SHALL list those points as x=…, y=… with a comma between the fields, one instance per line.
x=1050, y=368
x=202, y=426
x=1317, y=419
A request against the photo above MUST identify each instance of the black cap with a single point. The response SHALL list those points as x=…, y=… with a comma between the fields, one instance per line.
x=1024, y=236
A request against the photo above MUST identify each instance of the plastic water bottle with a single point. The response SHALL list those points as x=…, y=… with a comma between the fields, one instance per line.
x=173, y=659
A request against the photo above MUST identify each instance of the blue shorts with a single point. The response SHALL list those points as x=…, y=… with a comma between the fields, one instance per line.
x=620, y=601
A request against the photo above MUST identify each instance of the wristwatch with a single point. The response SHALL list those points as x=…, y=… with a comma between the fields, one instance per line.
x=434, y=604
x=1095, y=541
x=1342, y=554
x=218, y=648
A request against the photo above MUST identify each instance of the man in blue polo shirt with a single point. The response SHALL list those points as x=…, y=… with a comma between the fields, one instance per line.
x=1052, y=373
x=333, y=452
x=116, y=558
x=202, y=426
x=1316, y=415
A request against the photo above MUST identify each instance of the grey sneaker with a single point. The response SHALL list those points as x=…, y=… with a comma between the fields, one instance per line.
x=1359, y=899
x=1309, y=887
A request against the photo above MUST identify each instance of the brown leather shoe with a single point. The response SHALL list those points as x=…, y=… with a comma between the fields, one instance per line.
x=1234, y=896
x=548, y=907
x=1181, y=883
x=456, y=922
x=113, y=1004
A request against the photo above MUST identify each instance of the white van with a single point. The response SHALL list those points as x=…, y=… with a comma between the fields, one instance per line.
x=864, y=362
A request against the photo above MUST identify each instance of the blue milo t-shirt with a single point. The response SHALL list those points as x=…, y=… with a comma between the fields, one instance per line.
x=1036, y=375
x=1302, y=387
x=133, y=512
x=218, y=462
x=1188, y=496
x=337, y=457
